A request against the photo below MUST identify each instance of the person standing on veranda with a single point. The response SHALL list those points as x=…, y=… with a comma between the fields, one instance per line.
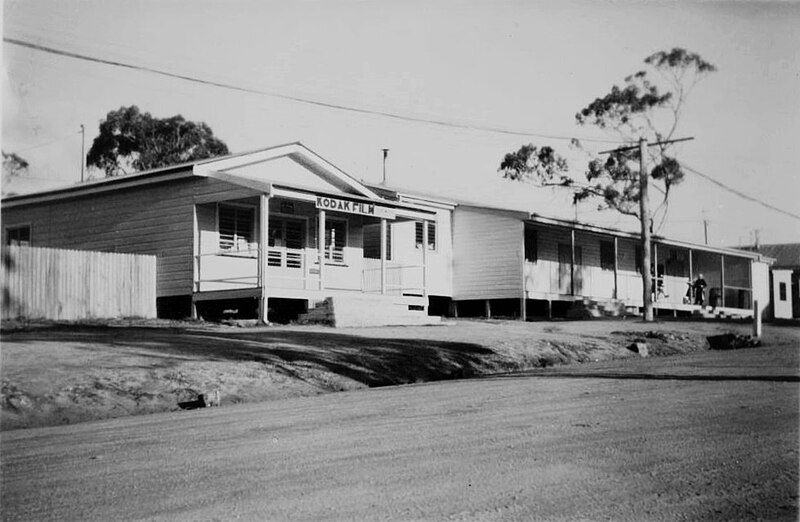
x=699, y=287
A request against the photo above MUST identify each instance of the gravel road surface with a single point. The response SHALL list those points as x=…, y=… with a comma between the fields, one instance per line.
x=503, y=448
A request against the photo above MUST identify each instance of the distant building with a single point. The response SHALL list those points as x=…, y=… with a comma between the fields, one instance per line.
x=785, y=277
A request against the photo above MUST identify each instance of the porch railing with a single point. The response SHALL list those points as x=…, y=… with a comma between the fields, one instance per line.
x=227, y=269
x=290, y=268
x=286, y=267
x=286, y=257
x=400, y=280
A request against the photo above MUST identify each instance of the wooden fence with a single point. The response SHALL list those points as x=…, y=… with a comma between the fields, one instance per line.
x=49, y=283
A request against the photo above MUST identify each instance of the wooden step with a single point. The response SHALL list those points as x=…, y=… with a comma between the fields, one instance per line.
x=360, y=310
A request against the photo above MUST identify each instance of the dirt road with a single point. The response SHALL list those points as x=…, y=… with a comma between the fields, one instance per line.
x=513, y=448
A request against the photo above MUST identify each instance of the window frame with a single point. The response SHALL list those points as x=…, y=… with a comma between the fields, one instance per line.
x=373, y=255
x=252, y=244
x=528, y=249
x=604, y=262
x=329, y=260
x=19, y=226
x=419, y=230
x=782, y=293
x=638, y=254
x=283, y=218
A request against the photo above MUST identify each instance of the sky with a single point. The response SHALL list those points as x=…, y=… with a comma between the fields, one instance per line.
x=516, y=65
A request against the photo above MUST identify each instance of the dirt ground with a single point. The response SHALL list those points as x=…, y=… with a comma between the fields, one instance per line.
x=702, y=445
x=62, y=374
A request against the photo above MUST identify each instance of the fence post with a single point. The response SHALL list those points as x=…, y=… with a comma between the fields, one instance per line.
x=384, y=229
x=756, y=320
x=424, y=265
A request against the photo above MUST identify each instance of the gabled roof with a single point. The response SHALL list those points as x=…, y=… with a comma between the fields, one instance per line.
x=785, y=254
x=397, y=194
x=299, y=153
x=223, y=168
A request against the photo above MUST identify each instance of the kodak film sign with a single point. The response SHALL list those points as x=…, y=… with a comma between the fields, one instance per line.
x=354, y=207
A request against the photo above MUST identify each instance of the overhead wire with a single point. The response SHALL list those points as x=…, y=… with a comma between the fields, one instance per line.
x=308, y=101
x=740, y=193
x=51, y=142
x=360, y=110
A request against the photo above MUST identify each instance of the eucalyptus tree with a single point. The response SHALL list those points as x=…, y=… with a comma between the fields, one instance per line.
x=648, y=104
x=130, y=140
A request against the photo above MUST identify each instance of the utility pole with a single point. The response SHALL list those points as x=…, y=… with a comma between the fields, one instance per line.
x=83, y=156
x=645, y=219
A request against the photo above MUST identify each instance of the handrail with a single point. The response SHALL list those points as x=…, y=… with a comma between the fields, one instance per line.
x=231, y=253
x=390, y=267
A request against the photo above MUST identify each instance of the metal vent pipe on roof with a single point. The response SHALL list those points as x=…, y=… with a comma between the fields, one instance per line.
x=385, y=155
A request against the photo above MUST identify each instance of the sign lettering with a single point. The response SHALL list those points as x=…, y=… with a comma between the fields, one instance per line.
x=354, y=207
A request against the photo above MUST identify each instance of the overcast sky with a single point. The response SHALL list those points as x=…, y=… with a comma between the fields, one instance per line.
x=525, y=66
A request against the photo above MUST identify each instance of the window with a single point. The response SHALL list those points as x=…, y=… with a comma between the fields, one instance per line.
x=607, y=255
x=639, y=259
x=335, y=239
x=372, y=241
x=286, y=236
x=419, y=232
x=531, y=244
x=287, y=233
x=782, y=291
x=236, y=228
x=19, y=236
x=388, y=242
x=677, y=263
x=565, y=254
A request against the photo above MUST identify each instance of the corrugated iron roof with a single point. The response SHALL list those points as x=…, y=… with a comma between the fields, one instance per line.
x=785, y=254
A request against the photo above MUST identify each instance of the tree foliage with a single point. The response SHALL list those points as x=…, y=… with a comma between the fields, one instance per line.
x=649, y=104
x=13, y=165
x=538, y=165
x=130, y=140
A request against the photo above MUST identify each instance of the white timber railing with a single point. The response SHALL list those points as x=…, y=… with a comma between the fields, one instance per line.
x=400, y=279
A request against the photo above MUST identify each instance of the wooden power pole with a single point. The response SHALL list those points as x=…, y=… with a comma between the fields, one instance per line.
x=645, y=219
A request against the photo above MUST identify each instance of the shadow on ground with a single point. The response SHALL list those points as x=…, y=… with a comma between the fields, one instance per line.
x=371, y=361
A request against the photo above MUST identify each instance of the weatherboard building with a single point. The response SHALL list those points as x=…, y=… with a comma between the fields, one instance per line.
x=281, y=232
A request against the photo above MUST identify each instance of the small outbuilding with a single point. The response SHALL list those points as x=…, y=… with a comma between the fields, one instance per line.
x=785, y=277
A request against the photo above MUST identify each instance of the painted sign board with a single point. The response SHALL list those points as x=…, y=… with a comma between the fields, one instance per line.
x=354, y=207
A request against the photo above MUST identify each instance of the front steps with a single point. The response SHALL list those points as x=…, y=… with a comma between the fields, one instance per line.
x=591, y=308
x=362, y=310
x=720, y=313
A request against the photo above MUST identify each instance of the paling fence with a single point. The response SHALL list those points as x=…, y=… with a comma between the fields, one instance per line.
x=49, y=283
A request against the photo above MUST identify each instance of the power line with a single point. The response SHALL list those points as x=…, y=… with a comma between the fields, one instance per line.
x=397, y=116
x=62, y=138
x=740, y=194
x=308, y=101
